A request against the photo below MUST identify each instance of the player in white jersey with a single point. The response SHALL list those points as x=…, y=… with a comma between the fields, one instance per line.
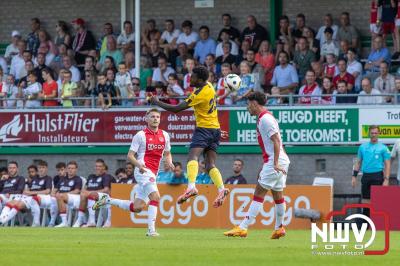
x=273, y=173
x=147, y=149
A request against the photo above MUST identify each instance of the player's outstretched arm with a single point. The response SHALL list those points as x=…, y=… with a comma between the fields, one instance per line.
x=169, y=107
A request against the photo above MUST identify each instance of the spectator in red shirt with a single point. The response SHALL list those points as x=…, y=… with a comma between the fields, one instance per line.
x=50, y=89
x=344, y=75
x=310, y=89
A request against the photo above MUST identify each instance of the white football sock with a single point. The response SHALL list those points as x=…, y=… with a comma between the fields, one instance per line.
x=151, y=218
x=35, y=210
x=53, y=210
x=191, y=185
x=92, y=213
x=123, y=204
x=11, y=214
x=279, y=213
x=254, y=210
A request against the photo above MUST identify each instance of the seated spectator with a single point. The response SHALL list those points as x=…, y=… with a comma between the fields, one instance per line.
x=138, y=95
x=32, y=91
x=109, y=63
x=331, y=69
x=211, y=65
x=103, y=92
x=246, y=86
x=310, y=89
x=367, y=92
x=88, y=85
x=329, y=46
x=18, y=61
x=223, y=93
x=354, y=68
x=63, y=35
x=385, y=82
x=212, y=79
x=341, y=92
x=129, y=168
x=67, y=64
x=179, y=176
x=234, y=34
x=254, y=33
x=225, y=37
x=347, y=32
x=83, y=41
x=10, y=92
x=115, y=93
x=155, y=53
x=378, y=55
x=162, y=72
x=40, y=65
x=303, y=58
x=273, y=98
x=344, y=75
x=150, y=33
x=90, y=64
x=29, y=67
x=169, y=37
x=12, y=49
x=256, y=69
x=327, y=88
x=328, y=23
x=312, y=43
x=112, y=51
x=161, y=92
x=188, y=36
x=284, y=37
x=174, y=89
x=126, y=39
x=285, y=75
x=237, y=177
x=205, y=45
x=183, y=54
x=3, y=66
x=122, y=177
x=69, y=89
x=50, y=89
x=189, y=65
x=129, y=58
x=44, y=38
x=146, y=72
x=227, y=56
x=343, y=49
x=266, y=59
x=203, y=176
x=44, y=49
x=123, y=83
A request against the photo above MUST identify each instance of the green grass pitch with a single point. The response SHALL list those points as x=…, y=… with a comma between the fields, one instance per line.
x=184, y=247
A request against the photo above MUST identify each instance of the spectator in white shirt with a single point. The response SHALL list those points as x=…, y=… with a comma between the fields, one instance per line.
x=123, y=83
x=127, y=37
x=3, y=66
x=10, y=92
x=18, y=62
x=328, y=22
x=31, y=91
x=354, y=68
x=67, y=64
x=385, y=82
x=285, y=75
x=225, y=37
x=188, y=36
x=369, y=91
x=174, y=89
x=329, y=46
x=12, y=48
x=169, y=37
x=162, y=72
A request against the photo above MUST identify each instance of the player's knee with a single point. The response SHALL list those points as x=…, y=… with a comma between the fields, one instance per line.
x=209, y=167
x=20, y=205
x=93, y=196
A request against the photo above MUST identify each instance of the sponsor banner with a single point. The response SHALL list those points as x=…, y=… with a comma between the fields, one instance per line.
x=300, y=125
x=388, y=119
x=199, y=213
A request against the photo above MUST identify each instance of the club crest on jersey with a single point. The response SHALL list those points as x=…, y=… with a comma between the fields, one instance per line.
x=98, y=180
x=71, y=183
x=161, y=139
x=41, y=182
x=152, y=179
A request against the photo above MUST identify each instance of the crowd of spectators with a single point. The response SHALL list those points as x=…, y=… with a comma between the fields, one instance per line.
x=303, y=61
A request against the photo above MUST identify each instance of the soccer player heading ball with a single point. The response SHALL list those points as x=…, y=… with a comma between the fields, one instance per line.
x=273, y=173
x=206, y=135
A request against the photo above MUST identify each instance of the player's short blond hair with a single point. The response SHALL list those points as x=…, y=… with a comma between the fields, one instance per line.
x=152, y=110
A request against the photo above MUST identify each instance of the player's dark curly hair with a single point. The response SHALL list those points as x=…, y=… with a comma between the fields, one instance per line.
x=201, y=72
x=259, y=97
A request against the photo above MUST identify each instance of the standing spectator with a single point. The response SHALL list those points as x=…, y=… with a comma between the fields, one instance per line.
x=174, y=89
x=32, y=91
x=374, y=26
x=266, y=59
x=396, y=39
x=83, y=42
x=111, y=50
x=223, y=93
x=246, y=86
x=50, y=89
x=234, y=34
x=344, y=75
x=341, y=92
x=69, y=89
x=162, y=72
x=57, y=63
x=256, y=69
x=385, y=82
x=374, y=162
x=303, y=58
x=188, y=36
x=388, y=11
x=44, y=37
x=348, y=32
x=397, y=82
x=179, y=177
x=169, y=37
x=328, y=23
x=12, y=48
x=300, y=25
x=378, y=55
x=224, y=37
x=63, y=35
x=354, y=68
x=285, y=75
x=329, y=45
x=67, y=64
x=237, y=177
x=127, y=37
x=368, y=91
x=155, y=52
x=33, y=38
x=284, y=37
x=18, y=61
x=331, y=69
x=101, y=45
x=310, y=89
x=254, y=33
x=123, y=83
x=313, y=44
x=205, y=45
x=396, y=153
x=327, y=88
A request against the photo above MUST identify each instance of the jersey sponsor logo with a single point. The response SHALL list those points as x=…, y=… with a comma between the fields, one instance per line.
x=98, y=180
x=13, y=181
x=41, y=182
x=151, y=147
x=71, y=183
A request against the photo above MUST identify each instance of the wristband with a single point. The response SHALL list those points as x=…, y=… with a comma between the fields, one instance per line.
x=355, y=173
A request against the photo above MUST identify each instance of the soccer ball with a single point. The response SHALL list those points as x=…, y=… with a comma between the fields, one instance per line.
x=232, y=82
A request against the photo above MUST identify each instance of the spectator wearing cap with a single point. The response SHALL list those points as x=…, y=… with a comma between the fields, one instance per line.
x=225, y=37
x=12, y=48
x=234, y=33
x=205, y=46
x=254, y=33
x=237, y=177
x=33, y=38
x=377, y=55
x=347, y=32
x=188, y=36
x=83, y=42
x=329, y=46
x=127, y=37
x=328, y=23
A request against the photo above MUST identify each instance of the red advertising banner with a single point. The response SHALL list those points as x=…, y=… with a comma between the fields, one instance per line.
x=89, y=127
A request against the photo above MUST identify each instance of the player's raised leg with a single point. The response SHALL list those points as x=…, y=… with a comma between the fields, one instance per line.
x=255, y=208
